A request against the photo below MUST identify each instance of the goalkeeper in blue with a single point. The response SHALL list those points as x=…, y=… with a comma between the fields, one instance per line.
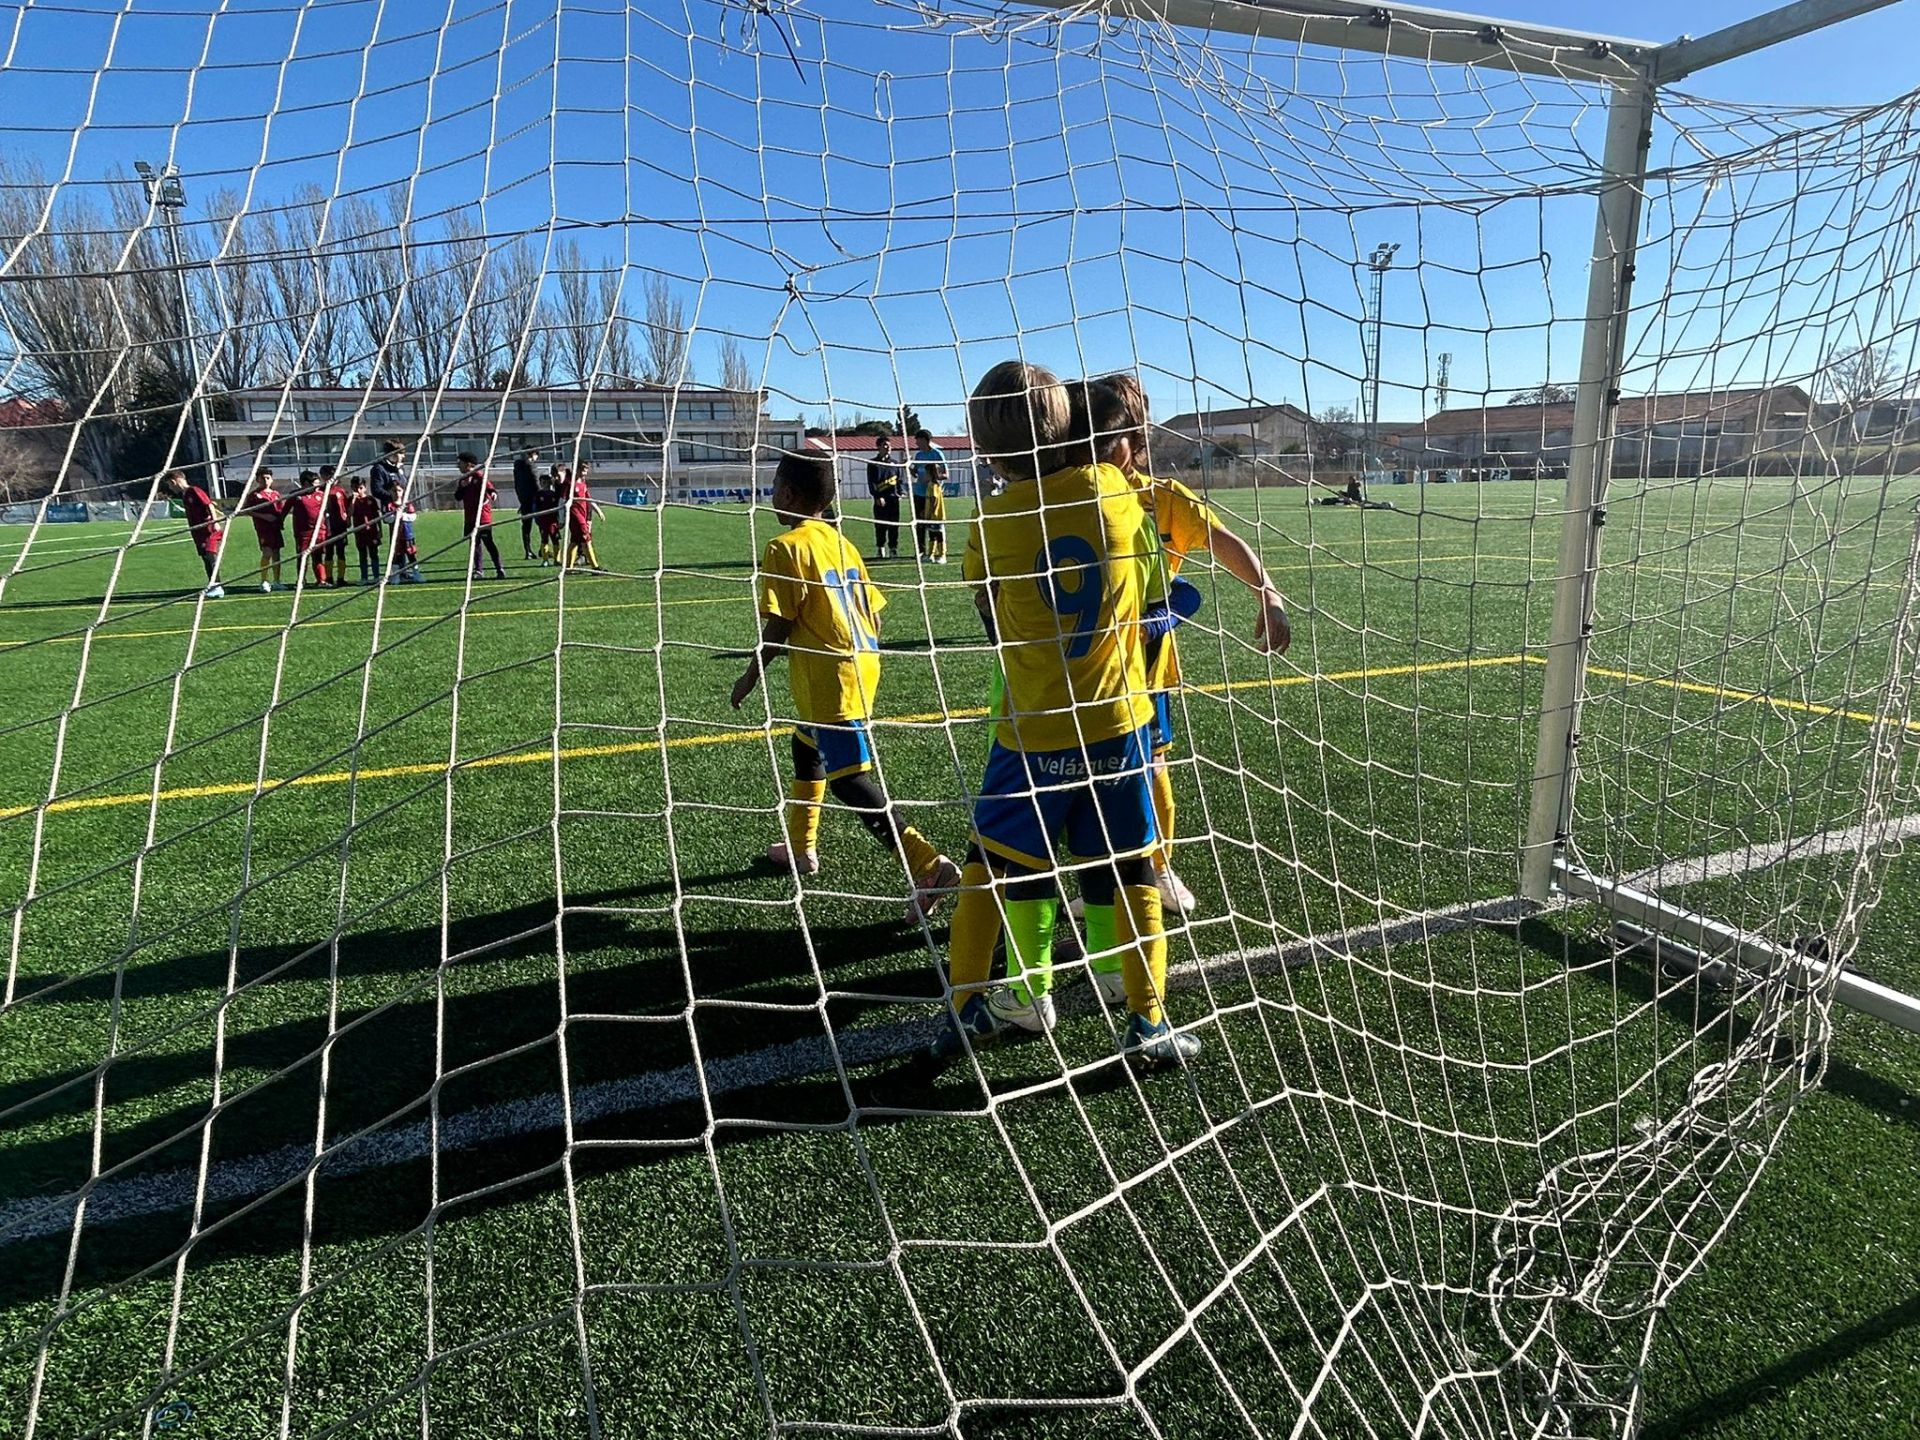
x=1061, y=580
x=820, y=610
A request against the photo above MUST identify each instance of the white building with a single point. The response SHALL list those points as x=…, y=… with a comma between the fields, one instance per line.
x=691, y=444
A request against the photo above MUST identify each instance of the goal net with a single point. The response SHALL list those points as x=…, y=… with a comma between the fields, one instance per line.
x=404, y=1030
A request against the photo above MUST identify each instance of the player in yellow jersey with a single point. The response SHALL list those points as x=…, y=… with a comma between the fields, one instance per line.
x=1187, y=525
x=1061, y=582
x=819, y=609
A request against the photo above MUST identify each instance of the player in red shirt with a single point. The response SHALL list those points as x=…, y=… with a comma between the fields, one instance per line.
x=307, y=507
x=580, y=512
x=267, y=508
x=203, y=524
x=339, y=525
x=475, y=493
x=365, y=510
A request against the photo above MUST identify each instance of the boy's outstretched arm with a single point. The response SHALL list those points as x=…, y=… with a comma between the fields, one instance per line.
x=774, y=631
x=1272, y=631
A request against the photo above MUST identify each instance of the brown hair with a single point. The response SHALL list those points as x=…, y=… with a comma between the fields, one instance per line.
x=1021, y=418
x=1131, y=398
x=810, y=477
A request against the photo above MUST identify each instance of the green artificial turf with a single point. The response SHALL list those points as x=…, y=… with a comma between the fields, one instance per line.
x=474, y=874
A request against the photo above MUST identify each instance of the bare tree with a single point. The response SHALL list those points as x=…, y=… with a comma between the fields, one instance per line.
x=736, y=378
x=440, y=272
x=1334, y=433
x=314, y=331
x=1854, y=376
x=373, y=268
x=64, y=293
x=620, y=362
x=665, y=330
x=234, y=297
x=576, y=332
x=1545, y=393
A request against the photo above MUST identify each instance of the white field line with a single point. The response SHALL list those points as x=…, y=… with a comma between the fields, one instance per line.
x=109, y=1200
x=1745, y=859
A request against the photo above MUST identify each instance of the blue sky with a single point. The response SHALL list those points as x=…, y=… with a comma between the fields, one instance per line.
x=885, y=223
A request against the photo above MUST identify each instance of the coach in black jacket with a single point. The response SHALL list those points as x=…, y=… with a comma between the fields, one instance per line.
x=884, y=478
x=526, y=492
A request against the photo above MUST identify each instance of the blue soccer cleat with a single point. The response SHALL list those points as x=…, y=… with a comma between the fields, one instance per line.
x=979, y=1023
x=1157, y=1047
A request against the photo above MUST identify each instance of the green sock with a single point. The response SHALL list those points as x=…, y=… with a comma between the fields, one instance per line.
x=1103, y=940
x=1029, y=929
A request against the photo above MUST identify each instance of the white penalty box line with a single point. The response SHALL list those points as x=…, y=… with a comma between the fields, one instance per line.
x=259, y=1178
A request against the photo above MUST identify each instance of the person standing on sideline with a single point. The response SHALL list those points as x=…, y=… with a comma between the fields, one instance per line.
x=581, y=510
x=308, y=508
x=386, y=477
x=883, y=484
x=367, y=533
x=930, y=498
x=475, y=493
x=267, y=508
x=339, y=517
x=203, y=523
x=526, y=492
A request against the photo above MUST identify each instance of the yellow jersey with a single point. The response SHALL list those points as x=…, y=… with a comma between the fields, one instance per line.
x=812, y=577
x=1064, y=556
x=1183, y=523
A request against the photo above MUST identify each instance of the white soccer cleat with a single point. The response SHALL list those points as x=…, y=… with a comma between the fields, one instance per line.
x=214, y=592
x=780, y=854
x=1174, y=894
x=266, y=589
x=1009, y=1012
x=931, y=890
x=1110, y=985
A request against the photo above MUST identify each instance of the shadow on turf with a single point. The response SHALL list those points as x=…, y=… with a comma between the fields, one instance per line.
x=1710, y=1412
x=1700, y=1010
x=627, y=975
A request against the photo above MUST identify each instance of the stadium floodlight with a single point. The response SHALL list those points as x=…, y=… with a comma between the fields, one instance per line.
x=168, y=194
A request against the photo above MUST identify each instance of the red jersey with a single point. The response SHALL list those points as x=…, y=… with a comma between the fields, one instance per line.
x=366, y=513
x=339, y=520
x=200, y=517
x=582, y=509
x=475, y=493
x=305, y=507
x=268, y=511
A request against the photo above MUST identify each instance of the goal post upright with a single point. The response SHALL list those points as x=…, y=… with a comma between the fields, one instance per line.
x=1602, y=356
x=1589, y=467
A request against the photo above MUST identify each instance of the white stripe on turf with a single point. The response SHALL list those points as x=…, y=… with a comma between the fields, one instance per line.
x=1744, y=860
x=109, y=1201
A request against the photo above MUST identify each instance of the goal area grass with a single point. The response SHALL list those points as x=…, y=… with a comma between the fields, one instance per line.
x=463, y=886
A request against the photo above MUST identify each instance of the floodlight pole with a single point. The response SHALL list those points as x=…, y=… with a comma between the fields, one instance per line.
x=166, y=194
x=1379, y=262
x=1589, y=467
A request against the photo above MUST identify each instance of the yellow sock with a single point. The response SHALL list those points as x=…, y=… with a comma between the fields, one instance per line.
x=804, y=800
x=1163, y=814
x=1137, y=927
x=919, y=852
x=976, y=929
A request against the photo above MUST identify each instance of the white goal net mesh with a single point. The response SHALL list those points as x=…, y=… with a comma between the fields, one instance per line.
x=403, y=1031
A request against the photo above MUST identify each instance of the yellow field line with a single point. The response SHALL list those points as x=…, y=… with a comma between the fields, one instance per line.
x=638, y=747
x=1722, y=692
